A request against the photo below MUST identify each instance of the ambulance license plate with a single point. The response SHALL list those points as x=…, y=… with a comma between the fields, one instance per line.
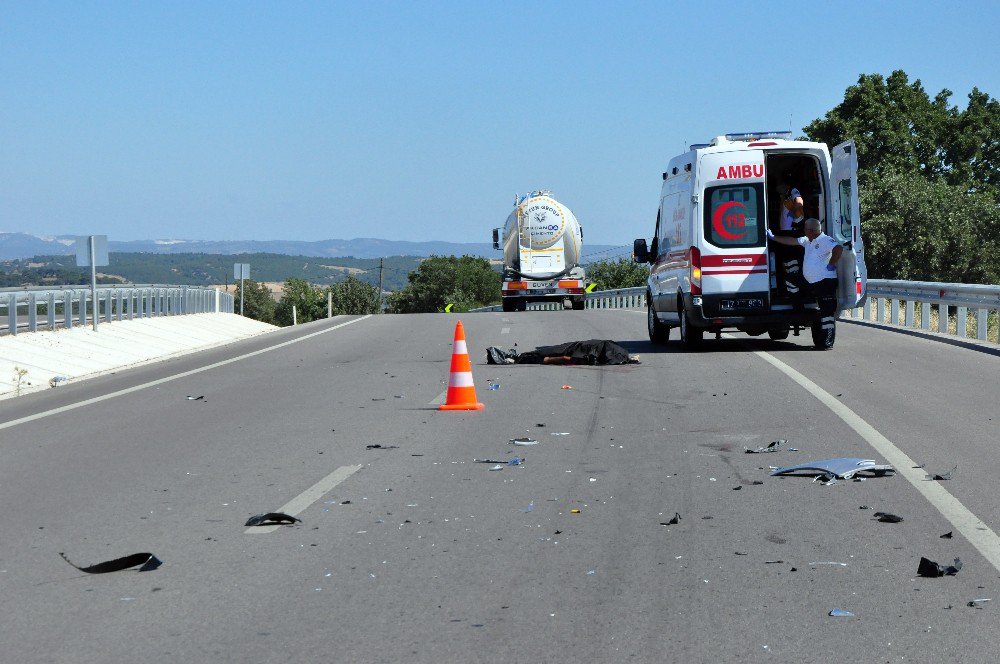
x=742, y=304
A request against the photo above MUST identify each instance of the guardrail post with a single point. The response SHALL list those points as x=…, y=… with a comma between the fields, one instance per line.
x=982, y=323
x=961, y=315
x=118, y=308
x=943, y=318
x=68, y=309
x=83, y=309
x=218, y=300
x=894, y=312
x=108, y=305
x=910, y=320
x=12, y=313
x=880, y=309
x=51, y=311
x=925, y=315
x=32, y=312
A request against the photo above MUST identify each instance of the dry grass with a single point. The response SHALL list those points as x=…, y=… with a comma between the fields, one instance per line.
x=971, y=324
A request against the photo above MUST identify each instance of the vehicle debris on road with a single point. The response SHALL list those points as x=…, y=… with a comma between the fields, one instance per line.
x=523, y=441
x=886, y=517
x=931, y=569
x=771, y=447
x=840, y=613
x=942, y=476
x=843, y=468
x=147, y=561
x=379, y=446
x=674, y=521
x=274, y=518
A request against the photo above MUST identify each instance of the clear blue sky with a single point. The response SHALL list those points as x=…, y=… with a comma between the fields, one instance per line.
x=419, y=120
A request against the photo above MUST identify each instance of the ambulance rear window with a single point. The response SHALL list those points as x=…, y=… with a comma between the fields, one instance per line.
x=734, y=215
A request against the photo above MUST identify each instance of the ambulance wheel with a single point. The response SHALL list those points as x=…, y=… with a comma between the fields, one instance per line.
x=777, y=335
x=823, y=339
x=691, y=336
x=658, y=332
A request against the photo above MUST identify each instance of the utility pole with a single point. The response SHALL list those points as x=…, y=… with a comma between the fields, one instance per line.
x=381, y=264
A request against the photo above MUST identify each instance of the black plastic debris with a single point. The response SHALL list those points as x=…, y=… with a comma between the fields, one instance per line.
x=931, y=569
x=673, y=521
x=378, y=446
x=740, y=553
x=273, y=518
x=756, y=482
x=771, y=447
x=738, y=488
x=864, y=507
x=198, y=398
x=146, y=561
x=886, y=517
x=947, y=535
x=943, y=476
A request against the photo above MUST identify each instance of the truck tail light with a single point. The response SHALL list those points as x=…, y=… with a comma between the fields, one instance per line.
x=515, y=285
x=569, y=283
x=695, y=271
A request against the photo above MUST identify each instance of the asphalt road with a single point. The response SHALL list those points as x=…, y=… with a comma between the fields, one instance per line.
x=424, y=555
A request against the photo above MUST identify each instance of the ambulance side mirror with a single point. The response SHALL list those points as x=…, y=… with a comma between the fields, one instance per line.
x=496, y=238
x=640, y=254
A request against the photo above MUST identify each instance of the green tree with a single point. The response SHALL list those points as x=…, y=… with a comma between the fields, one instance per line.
x=258, y=303
x=308, y=300
x=620, y=273
x=467, y=282
x=353, y=296
x=929, y=178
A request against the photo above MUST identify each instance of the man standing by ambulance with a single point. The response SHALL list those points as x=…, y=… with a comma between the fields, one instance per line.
x=819, y=268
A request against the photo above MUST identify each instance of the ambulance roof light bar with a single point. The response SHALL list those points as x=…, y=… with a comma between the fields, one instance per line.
x=758, y=135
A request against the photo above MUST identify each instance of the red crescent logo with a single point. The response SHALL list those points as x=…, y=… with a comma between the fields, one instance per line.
x=717, y=221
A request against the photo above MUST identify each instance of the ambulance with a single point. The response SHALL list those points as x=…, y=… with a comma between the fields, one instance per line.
x=711, y=266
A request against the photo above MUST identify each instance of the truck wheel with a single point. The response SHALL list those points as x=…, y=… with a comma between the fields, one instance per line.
x=691, y=336
x=509, y=305
x=823, y=338
x=520, y=305
x=579, y=305
x=658, y=332
x=777, y=335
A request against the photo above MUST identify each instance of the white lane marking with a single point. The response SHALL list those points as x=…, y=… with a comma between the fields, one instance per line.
x=978, y=533
x=504, y=330
x=439, y=399
x=160, y=381
x=299, y=503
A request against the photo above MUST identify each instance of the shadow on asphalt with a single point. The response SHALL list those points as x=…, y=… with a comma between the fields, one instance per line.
x=968, y=344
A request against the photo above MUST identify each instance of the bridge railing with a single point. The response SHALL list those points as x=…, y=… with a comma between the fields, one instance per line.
x=964, y=310
x=30, y=309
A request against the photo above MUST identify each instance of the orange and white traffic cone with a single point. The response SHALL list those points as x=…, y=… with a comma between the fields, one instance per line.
x=461, y=390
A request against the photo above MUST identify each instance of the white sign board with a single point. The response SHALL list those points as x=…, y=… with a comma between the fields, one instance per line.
x=241, y=270
x=83, y=250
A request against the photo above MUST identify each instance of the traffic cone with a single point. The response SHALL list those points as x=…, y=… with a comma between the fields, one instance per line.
x=461, y=391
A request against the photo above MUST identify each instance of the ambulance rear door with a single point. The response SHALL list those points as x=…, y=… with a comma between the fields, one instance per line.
x=845, y=225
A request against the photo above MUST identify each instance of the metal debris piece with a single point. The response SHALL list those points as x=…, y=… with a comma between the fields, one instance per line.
x=516, y=461
x=886, y=517
x=829, y=562
x=198, y=398
x=273, y=518
x=378, y=446
x=943, y=476
x=840, y=468
x=771, y=447
x=147, y=561
x=976, y=602
x=487, y=461
x=840, y=613
x=932, y=569
x=497, y=467
x=523, y=442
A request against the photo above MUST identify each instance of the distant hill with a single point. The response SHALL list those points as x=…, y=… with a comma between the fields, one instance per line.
x=22, y=245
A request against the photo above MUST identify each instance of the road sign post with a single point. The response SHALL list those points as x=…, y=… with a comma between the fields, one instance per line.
x=92, y=250
x=241, y=271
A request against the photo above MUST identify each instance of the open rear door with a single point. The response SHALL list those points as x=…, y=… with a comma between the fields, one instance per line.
x=847, y=214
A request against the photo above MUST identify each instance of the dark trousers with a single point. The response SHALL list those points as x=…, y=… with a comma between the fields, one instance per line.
x=825, y=292
x=788, y=260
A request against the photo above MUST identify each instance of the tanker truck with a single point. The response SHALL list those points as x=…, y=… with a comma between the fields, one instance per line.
x=541, y=244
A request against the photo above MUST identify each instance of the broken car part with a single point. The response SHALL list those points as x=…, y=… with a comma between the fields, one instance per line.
x=772, y=447
x=272, y=518
x=885, y=517
x=147, y=561
x=841, y=468
x=931, y=569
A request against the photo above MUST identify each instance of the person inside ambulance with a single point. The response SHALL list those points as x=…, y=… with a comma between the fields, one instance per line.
x=819, y=269
x=790, y=225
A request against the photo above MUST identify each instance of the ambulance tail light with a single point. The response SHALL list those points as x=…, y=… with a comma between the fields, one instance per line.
x=695, y=271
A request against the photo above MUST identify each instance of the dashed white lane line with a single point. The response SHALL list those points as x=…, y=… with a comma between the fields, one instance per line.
x=299, y=503
x=972, y=527
x=504, y=330
x=184, y=374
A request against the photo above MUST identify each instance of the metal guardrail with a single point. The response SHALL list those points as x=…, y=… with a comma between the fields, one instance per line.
x=28, y=309
x=951, y=305
x=887, y=300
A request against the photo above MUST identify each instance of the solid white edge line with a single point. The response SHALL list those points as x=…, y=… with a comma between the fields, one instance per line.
x=299, y=503
x=167, y=379
x=972, y=527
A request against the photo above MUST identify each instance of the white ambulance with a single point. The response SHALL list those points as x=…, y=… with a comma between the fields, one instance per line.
x=711, y=266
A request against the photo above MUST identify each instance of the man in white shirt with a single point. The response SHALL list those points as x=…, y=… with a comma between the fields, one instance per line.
x=819, y=267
